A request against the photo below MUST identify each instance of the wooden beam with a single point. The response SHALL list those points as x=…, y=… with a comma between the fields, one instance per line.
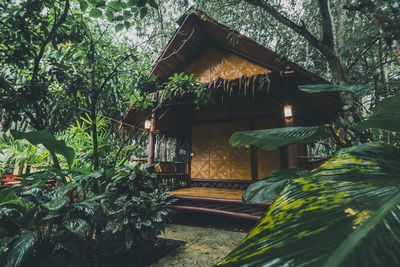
x=253, y=155
x=152, y=140
x=188, y=152
x=217, y=211
x=291, y=149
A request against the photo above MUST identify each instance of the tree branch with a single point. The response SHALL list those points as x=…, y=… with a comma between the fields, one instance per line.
x=327, y=24
x=368, y=47
x=53, y=30
x=300, y=29
x=386, y=23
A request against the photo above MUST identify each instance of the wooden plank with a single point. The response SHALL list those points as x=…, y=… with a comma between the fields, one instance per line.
x=213, y=193
x=217, y=211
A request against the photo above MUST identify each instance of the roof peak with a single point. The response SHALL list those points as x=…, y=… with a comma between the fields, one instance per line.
x=197, y=31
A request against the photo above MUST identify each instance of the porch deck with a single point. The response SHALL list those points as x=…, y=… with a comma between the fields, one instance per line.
x=221, y=201
x=211, y=193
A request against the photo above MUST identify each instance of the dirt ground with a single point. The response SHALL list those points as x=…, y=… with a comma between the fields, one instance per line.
x=204, y=246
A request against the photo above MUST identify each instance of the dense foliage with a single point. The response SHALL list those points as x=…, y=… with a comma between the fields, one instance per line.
x=70, y=69
x=52, y=215
x=342, y=214
x=137, y=205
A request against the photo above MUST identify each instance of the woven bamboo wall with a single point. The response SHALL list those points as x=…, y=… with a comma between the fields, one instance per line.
x=214, y=157
x=267, y=160
x=215, y=62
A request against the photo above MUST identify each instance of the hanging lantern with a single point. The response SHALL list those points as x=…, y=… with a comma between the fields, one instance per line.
x=288, y=111
x=147, y=124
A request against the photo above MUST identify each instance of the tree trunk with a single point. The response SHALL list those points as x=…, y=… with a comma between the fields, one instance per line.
x=94, y=138
x=327, y=46
x=164, y=149
x=5, y=122
x=383, y=66
x=94, y=96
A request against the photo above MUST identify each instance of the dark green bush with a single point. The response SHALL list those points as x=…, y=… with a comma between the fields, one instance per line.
x=137, y=204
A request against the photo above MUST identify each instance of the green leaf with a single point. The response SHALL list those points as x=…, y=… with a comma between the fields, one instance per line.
x=109, y=16
x=274, y=138
x=95, y=13
x=118, y=18
x=79, y=227
x=4, y=242
x=83, y=5
x=52, y=215
x=386, y=115
x=152, y=3
x=116, y=5
x=100, y=3
x=119, y=27
x=22, y=248
x=141, y=3
x=132, y=3
x=17, y=204
x=143, y=12
x=372, y=229
x=269, y=188
x=7, y=194
x=128, y=238
x=63, y=189
x=45, y=138
x=56, y=203
x=345, y=213
x=127, y=25
x=127, y=15
x=357, y=90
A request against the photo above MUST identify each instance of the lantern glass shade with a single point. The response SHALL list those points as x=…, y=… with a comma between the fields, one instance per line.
x=147, y=124
x=287, y=111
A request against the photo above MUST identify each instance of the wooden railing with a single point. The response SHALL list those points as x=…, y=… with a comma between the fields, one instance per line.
x=9, y=180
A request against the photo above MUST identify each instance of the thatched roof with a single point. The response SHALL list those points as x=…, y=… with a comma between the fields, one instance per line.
x=197, y=32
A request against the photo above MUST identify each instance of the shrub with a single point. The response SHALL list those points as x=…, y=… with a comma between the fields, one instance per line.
x=137, y=204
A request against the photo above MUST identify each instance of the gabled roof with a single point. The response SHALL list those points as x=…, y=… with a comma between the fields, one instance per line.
x=276, y=81
x=197, y=31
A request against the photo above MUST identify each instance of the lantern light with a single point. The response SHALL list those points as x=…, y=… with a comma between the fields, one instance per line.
x=288, y=111
x=147, y=124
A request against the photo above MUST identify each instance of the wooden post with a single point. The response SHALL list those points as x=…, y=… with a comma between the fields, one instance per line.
x=253, y=156
x=152, y=140
x=291, y=149
x=188, y=151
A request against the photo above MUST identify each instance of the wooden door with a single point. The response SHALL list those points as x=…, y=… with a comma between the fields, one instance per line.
x=214, y=157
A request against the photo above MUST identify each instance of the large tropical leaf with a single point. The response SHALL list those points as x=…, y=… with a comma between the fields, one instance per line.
x=80, y=227
x=4, y=242
x=63, y=189
x=56, y=203
x=357, y=90
x=22, y=248
x=345, y=213
x=7, y=194
x=33, y=178
x=274, y=138
x=45, y=138
x=270, y=187
x=386, y=115
x=17, y=204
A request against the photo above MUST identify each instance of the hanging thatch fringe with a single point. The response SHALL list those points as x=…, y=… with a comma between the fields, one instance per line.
x=254, y=86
